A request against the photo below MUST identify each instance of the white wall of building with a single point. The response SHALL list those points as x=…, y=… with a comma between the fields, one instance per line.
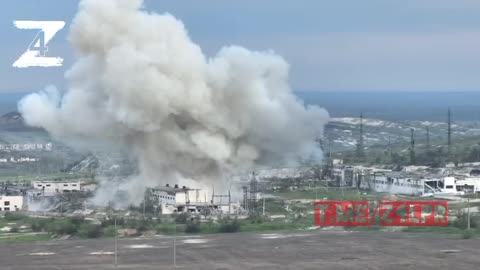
x=11, y=203
x=473, y=182
x=163, y=197
x=196, y=196
x=53, y=187
x=397, y=185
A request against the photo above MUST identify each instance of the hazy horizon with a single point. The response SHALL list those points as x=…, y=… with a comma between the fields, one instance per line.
x=391, y=105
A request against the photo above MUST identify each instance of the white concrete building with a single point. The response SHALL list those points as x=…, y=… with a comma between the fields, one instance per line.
x=453, y=185
x=49, y=188
x=471, y=183
x=11, y=203
x=396, y=183
x=166, y=200
x=163, y=197
x=182, y=199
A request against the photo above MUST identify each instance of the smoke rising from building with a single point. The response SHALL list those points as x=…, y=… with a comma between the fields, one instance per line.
x=140, y=83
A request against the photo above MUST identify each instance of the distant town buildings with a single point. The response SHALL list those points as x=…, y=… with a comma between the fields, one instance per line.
x=27, y=147
x=412, y=180
x=18, y=160
x=51, y=188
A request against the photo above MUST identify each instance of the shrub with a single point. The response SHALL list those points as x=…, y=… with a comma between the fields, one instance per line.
x=77, y=221
x=142, y=225
x=181, y=218
x=11, y=216
x=229, y=225
x=110, y=231
x=14, y=230
x=40, y=224
x=90, y=231
x=63, y=226
x=111, y=221
x=462, y=221
x=256, y=218
x=192, y=227
x=467, y=234
x=166, y=228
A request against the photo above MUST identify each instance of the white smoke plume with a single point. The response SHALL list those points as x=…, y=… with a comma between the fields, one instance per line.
x=141, y=83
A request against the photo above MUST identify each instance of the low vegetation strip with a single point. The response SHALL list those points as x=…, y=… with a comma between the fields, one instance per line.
x=25, y=228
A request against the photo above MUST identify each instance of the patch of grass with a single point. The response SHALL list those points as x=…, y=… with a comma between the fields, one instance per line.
x=90, y=231
x=373, y=228
x=433, y=230
x=275, y=206
x=229, y=225
x=109, y=231
x=269, y=226
x=13, y=216
x=62, y=227
x=330, y=194
x=462, y=221
x=18, y=238
x=40, y=224
x=209, y=228
x=192, y=227
x=467, y=234
x=168, y=228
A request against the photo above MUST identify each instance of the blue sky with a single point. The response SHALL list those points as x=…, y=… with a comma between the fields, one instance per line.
x=335, y=45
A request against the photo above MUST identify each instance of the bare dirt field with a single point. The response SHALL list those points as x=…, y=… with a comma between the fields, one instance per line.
x=305, y=250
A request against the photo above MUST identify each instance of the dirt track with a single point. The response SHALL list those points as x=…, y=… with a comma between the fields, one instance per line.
x=310, y=250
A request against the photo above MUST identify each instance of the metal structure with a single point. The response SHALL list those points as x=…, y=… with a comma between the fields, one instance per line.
x=252, y=202
x=390, y=146
x=360, y=146
x=245, y=197
x=412, y=147
x=221, y=200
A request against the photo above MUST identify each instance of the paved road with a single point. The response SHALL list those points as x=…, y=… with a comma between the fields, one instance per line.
x=309, y=250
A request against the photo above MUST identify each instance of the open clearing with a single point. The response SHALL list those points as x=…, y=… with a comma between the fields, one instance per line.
x=312, y=250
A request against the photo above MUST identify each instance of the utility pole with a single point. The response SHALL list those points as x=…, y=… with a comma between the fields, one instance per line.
x=428, y=140
x=449, y=139
x=468, y=206
x=390, y=147
x=144, y=200
x=360, y=147
x=245, y=198
x=253, y=193
x=263, y=211
x=229, y=203
x=175, y=246
x=144, y=208
x=468, y=213
x=116, y=249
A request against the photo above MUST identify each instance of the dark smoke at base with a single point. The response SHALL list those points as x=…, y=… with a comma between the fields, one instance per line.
x=141, y=84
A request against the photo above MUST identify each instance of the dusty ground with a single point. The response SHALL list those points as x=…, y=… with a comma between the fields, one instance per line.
x=310, y=250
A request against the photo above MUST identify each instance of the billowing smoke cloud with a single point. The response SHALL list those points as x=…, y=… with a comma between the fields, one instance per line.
x=141, y=83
